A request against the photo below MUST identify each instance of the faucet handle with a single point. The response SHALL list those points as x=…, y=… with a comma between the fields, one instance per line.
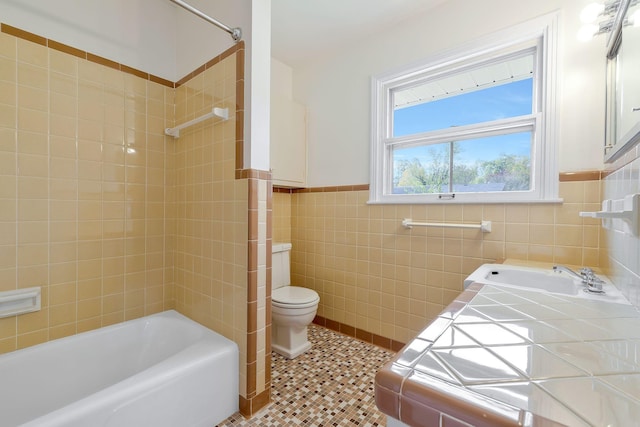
x=590, y=275
x=587, y=272
x=593, y=282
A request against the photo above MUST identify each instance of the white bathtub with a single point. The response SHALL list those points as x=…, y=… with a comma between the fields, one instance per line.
x=160, y=370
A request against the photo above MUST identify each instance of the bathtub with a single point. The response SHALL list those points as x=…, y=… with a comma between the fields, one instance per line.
x=160, y=370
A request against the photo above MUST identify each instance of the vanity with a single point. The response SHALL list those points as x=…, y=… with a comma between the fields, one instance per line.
x=506, y=355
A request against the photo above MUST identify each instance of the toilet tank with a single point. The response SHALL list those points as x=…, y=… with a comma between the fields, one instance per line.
x=280, y=268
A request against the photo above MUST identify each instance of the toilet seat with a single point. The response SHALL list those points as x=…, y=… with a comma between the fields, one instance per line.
x=294, y=296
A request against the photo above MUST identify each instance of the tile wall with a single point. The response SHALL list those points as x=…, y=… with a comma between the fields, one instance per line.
x=209, y=206
x=114, y=219
x=82, y=191
x=282, y=215
x=375, y=276
x=221, y=226
x=623, y=255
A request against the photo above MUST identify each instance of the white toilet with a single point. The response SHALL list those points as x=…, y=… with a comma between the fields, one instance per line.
x=292, y=307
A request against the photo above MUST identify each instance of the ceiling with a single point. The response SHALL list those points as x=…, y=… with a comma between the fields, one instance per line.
x=305, y=29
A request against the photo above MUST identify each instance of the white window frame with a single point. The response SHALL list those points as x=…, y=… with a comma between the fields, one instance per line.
x=541, y=33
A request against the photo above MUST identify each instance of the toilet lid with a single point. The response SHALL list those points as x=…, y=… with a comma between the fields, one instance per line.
x=294, y=295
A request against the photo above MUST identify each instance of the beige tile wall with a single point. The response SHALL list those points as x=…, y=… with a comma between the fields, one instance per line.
x=282, y=217
x=114, y=219
x=82, y=192
x=211, y=208
x=376, y=276
x=260, y=204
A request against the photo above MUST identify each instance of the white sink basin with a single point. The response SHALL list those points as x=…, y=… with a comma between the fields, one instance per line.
x=548, y=280
x=557, y=282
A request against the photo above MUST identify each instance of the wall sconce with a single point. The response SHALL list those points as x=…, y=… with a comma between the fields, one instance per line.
x=597, y=18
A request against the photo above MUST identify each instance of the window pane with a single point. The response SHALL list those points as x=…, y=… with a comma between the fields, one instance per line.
x=419, y=170
x=497, y=102
x=499, y=163
x=492, y=164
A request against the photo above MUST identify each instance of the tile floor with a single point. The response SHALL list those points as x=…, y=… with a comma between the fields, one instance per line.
x=330, y=385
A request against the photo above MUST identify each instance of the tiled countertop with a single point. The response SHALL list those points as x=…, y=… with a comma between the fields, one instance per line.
x=500, y=356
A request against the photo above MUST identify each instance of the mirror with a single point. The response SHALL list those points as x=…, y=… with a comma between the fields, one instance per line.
x=623, y=82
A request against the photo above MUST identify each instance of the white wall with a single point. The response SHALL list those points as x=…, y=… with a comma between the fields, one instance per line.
x=337, y=90
x=155, y=36
x=281, y=79
x=198, y=41
x=138, y=33
x=258, y=88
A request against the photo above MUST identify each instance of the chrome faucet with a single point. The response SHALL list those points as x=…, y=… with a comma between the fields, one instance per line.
x=559, y=268
x=585, y=275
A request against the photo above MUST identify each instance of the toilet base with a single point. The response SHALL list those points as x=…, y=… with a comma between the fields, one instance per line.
x=291, y=353
x=289, y=340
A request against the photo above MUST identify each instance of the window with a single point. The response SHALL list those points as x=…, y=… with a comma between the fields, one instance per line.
x=476, y=125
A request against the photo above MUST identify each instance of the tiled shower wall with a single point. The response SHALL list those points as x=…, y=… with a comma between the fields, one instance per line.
x=223, y=214
x=211, y=209
x=113, y=219
x=376, y=276
x=623, y=247
x=82, y=191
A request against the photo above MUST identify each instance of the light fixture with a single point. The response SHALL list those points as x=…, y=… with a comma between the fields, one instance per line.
x=597, y=18
x=591, y=12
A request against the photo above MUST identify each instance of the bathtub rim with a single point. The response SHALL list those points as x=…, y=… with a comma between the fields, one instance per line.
x=209, y=348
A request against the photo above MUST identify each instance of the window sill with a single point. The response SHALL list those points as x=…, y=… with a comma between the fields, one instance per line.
x=464, y=202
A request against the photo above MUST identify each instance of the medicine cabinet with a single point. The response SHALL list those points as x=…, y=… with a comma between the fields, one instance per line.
x=623, y=81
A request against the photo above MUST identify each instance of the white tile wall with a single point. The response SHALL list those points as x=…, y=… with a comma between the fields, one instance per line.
x=624, y=249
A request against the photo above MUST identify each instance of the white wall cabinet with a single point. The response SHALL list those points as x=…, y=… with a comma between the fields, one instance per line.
x=288, y=142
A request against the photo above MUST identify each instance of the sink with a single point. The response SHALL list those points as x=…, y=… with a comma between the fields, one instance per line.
x=546, y=280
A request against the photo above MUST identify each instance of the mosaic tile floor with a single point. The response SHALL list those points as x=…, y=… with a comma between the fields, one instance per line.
x=330, y=385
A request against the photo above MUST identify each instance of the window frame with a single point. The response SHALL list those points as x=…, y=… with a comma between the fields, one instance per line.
x=539, y=34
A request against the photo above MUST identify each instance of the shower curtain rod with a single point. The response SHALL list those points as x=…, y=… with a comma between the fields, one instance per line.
x=236, y=33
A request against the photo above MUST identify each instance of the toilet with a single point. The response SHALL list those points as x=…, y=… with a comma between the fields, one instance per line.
x=292, y=307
